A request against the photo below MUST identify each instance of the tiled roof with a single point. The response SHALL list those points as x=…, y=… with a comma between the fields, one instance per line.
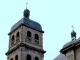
x=29, y=23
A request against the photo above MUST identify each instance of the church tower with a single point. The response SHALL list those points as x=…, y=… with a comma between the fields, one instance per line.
x=26, y=40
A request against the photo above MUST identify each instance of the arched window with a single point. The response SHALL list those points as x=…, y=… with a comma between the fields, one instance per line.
x=11, y=59
x=28, y=57
x=29, y=34
x=17, y=35
x=16, y=57
x=13, y=38
x=36, y=38
x=36, y=58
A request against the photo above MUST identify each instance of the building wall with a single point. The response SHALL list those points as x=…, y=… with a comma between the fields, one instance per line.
x=77, y=53
x=14, y=33
x=33, y=53
x=70, y=55
x=12, y=55
x=33, y=32
x=23, y=51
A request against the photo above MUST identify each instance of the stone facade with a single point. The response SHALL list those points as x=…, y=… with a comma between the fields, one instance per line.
x=24, y=47
x=32, y=42
x=70, y=55
x=15, y=39
x=77, y=53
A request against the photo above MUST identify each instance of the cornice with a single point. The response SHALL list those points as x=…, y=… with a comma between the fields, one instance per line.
x=24, y=45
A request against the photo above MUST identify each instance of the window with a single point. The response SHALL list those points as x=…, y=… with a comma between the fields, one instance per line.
x=13, y=38
x=36, y=39
x=11, y=59
x=16, y=57
x=12, y=41
x=17, y=35
x=29, y=34
x=28, y=57
x=36, y=58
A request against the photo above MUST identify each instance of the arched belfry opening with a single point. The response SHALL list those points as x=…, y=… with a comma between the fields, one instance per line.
x=28, y=36
x=28, y=33
x=28, y=57
x=17, y=37
x=36, y=58
x=11, y=59
x=36, y=36
x=12, y=40
x=16, y=57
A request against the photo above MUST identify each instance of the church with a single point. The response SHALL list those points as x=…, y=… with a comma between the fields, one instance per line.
x=26, y=42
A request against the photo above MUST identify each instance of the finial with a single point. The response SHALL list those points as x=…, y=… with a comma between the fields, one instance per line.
x=73, y=34
x=72, y=27
x=26, y=12
x=26, y=5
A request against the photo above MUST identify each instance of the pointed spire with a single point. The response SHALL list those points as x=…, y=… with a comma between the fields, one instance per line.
x=73, y=34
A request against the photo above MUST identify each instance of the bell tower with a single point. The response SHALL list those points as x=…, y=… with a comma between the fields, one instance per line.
x=26, y=40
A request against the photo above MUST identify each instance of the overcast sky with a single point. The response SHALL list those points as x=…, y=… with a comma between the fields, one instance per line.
x=55, y=16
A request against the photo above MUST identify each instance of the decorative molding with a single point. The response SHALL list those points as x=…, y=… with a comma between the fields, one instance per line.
x=25, y=45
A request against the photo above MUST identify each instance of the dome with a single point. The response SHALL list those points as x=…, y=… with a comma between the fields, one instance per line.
x=71, y=42
x=29, y=23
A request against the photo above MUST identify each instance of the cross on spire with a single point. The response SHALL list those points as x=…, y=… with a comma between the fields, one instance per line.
x=26, y=5
x=72, y=27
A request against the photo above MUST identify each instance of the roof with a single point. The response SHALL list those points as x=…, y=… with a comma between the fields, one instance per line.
x=60, y=57
x=29, y=23
x=70, y=45
x=71, y=42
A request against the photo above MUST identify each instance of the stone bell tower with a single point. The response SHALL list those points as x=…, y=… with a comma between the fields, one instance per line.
x=26, y=40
